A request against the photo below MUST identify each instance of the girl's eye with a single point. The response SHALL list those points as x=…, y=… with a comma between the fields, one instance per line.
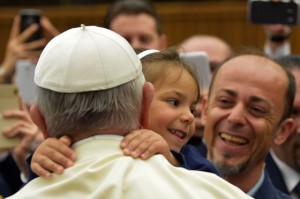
x=173, y=102
x=193, y=109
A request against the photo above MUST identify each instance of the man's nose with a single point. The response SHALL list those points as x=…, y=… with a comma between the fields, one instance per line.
x=237, y=115
x=135, y=43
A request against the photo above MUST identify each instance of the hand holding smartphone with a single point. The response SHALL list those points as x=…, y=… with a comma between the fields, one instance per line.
x=29, y=17
x=9, y=100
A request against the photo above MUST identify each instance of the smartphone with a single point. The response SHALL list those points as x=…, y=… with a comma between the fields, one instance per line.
x=28, y=17
x=198, y=61
x=25, y=80
x=9, y=100
x=271, y=12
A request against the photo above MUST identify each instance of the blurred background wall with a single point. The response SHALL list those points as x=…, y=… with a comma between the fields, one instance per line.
x=180, y=19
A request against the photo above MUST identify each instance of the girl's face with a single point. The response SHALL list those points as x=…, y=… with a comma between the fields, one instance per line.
x=171, y=111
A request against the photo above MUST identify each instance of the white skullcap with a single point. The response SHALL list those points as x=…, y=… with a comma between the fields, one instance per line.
x=147, y=52
x=87, y=58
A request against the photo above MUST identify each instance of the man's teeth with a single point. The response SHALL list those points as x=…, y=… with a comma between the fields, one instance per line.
x=231, y=138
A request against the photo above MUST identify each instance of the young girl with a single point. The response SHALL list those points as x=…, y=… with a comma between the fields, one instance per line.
x=171, y=120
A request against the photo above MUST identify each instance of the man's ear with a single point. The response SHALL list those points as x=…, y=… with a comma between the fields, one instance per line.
x=38, y=119
x=163, y=42
x=284, y=131
x=148, y=92
x=204, y=104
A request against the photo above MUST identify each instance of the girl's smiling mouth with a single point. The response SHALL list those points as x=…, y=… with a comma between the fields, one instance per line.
x=178, y=133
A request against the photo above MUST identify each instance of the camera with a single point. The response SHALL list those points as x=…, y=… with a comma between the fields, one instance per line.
x=274, y=12
x=28, y=17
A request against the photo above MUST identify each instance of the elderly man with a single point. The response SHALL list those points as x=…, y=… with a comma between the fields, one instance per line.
x=86, y=93
x=248, y=108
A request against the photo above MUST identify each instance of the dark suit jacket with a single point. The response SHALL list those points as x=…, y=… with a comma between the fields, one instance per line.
x=267, y=189
x=4, y=188
x=191, y=159
x=199, y=145
x=10, y=180
x=275, y=174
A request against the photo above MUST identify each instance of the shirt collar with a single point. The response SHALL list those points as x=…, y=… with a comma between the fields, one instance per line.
x=283, y=50
x=95, y=137
x=290, y=176
x=255, y=188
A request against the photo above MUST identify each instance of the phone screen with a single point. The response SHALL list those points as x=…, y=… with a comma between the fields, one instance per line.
x=268, y=12
x=28, y=17
x=25, y=80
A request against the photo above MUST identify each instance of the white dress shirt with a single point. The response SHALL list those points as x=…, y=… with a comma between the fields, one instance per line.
x=283, y=50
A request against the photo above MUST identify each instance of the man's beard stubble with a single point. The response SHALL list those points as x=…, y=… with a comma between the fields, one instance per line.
x=228, y=170
x=279, y=38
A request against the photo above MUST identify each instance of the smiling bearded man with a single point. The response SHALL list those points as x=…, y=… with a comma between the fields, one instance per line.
x=247, y=109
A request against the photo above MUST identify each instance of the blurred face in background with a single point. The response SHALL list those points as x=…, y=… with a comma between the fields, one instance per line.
x=278, y=32
x=217, y=50
x=290, y=150
x=140, y=30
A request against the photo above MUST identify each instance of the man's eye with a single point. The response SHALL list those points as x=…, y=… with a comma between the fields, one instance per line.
x=173, y=102
x=258, y=111
x=295, y=112
x=214, y=65
x=145, y=39
x=224, y=102
x=128, y=39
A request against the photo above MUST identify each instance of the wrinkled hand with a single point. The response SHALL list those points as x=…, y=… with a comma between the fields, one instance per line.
x=53, y=155
x=144, y=143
